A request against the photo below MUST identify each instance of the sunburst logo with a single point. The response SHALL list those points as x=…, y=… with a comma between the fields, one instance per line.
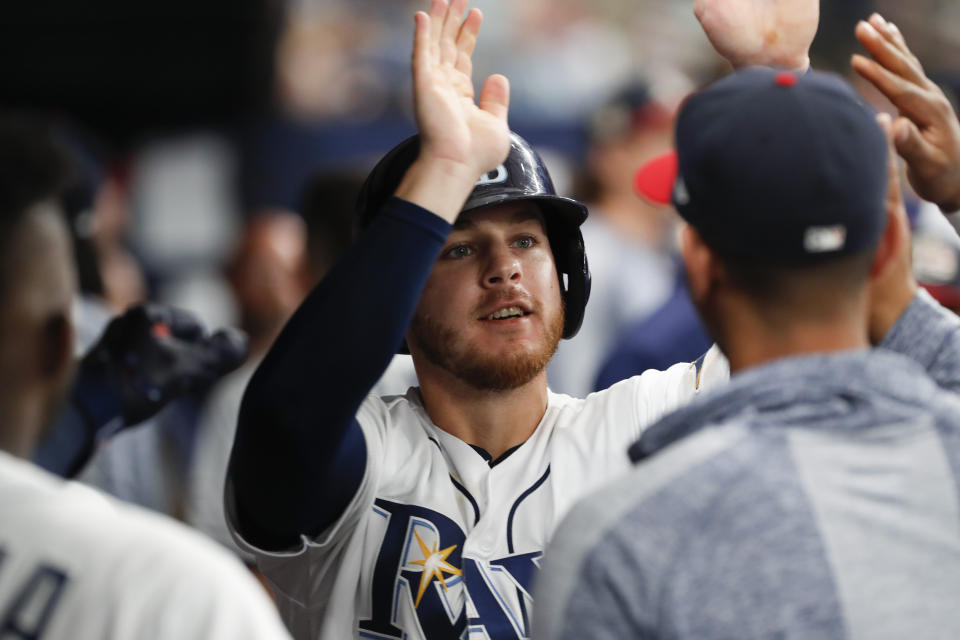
x=434, y=565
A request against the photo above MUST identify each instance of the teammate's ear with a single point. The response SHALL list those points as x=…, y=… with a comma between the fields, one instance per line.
x=56, y=349
x=893, y=248
x=699, y=262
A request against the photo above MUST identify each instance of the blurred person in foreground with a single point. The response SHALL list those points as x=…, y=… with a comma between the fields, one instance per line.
x=426, y=515
x=823, y=479
x=73, y=562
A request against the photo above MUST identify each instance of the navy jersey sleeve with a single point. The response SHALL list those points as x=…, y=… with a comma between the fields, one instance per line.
x=299, y=453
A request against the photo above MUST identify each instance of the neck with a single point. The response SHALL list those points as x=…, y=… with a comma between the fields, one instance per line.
x=492, y=420
x=749, y=341
x=18, y=432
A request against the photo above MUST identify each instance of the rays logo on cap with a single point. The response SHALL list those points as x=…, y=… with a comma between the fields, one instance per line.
x=496, y=176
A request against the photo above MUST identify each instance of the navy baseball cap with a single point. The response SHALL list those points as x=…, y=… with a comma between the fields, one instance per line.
x=776, y=166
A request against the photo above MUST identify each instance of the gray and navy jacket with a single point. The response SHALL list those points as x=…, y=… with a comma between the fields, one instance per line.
x=813, y=497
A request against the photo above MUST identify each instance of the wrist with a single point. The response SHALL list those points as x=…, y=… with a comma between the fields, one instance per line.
x=96, y=396
x=799, y=63
x=439, y=185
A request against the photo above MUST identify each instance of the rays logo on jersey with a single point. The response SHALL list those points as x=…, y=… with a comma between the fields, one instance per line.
x=421, y=580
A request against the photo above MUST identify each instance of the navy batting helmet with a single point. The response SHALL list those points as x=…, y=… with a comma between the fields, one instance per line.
x=522, y=176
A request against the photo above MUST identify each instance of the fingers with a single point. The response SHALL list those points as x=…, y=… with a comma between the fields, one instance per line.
x=908, y=97
x=163, y=322
x=890, y=31
x=440, y=38
x=467, y=41
x=230, y=347
x=421, y=59
x=184, y=325
x=889, y=53
x=495, y=96
x=910, y=143
x=438, y=11
x=700, y=7
x=449, y=31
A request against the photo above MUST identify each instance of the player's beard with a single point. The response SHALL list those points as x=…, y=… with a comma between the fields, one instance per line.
x=445, y=347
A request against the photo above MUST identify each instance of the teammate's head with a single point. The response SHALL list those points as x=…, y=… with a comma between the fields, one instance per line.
x=37, y=283
x=268, y=273
x=782, y=180
x=517, y=198
x=634, y=125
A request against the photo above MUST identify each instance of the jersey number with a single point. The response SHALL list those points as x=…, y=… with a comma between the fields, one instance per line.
x=33, y=603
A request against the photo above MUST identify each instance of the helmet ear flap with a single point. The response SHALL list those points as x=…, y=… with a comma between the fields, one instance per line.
x=574, y=274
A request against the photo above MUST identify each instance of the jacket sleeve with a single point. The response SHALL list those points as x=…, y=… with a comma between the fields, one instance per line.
x=929, y=334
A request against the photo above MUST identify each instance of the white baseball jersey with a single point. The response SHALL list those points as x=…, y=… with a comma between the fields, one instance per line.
x=436, y=543
x=216, y=429
x=75, y=564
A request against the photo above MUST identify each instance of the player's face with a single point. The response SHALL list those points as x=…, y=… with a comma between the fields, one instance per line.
x=491, y=312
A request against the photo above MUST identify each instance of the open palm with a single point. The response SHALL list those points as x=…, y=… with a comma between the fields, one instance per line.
x=453, y=127
x=773, y=33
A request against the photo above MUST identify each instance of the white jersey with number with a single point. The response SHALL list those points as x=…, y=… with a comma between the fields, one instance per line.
x=436, y=543
x=75, y=564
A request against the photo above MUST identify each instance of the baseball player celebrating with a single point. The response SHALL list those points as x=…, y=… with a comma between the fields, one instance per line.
x=425, y=515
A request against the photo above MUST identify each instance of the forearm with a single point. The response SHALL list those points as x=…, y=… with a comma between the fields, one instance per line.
x=297, y=436
x=438, y=185
x=92, y=412
x=930, y=335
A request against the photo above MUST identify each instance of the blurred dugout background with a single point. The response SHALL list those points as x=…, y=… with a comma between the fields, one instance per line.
x=204, y=111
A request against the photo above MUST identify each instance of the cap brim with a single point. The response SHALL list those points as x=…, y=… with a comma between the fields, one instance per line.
x=654, y=180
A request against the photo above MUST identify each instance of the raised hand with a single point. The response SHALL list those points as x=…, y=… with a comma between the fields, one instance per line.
x=770, y=33
x=460, y=138
x=927, y=133
x=152, y=354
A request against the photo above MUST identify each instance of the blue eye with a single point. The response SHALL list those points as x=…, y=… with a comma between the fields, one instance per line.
x=525, y=242
x=459, y=251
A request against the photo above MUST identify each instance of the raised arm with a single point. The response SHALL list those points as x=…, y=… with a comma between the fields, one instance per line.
x=902, y=318
x=299, y=454
x=770, y=33
x=927, y=132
